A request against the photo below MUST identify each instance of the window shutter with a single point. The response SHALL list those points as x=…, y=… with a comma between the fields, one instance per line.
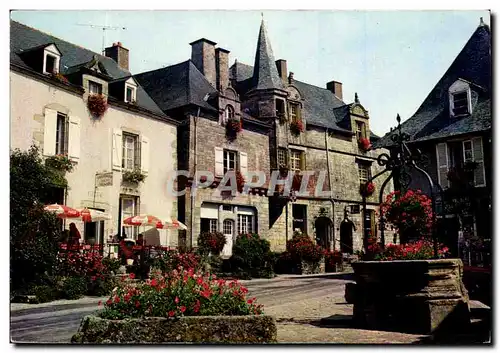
x=117, y=149
x=144, y=154
x=49, y=132
x=442, y=164
x=219, y=162
x=477, y=150
x=243, y=163
x=302, y=161
x=74, y=138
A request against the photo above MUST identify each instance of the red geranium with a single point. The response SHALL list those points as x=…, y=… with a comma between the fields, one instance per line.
x=367, y=189
x=364, y=144
x=296, y=127
x=97, y=105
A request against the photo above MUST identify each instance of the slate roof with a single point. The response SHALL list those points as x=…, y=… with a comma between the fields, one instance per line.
x=432, y=120
x=24, y=38
x=265, y=73
x=176, y=86
x=319, y=103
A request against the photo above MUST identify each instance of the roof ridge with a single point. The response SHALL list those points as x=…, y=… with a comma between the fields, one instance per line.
x=162, y=68
x=66, y=41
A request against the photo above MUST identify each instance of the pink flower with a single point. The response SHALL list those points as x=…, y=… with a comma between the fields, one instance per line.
x=182, y=309
x=171, y=313
x=176, y=300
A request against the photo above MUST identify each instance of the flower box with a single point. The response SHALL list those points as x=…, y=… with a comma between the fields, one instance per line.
x=193, y=329
x=415, y=296
x=233, y=128
x=364, y=144
x=133, y=176
x=59, y=162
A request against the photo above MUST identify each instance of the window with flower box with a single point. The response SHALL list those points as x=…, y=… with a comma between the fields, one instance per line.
x=131, y=155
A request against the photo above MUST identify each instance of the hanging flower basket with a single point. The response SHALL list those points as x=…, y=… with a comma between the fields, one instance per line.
x=296, y=127
x=233, y=127
x=97, y=105
x=367, y=190
x=364, y=144
x=133, y=176
x=59, y=77
x=59, y=162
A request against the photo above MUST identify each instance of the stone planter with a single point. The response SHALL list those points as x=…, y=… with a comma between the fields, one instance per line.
x=418, y=296
x=309, y=268
x=192, y=329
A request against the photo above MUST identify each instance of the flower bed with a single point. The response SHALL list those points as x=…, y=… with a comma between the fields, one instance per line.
x=303, y=255
x=175, y=302
x=420, y=250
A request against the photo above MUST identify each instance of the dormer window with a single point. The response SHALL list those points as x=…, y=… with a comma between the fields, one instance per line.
x=460, y=103
x=228, y=113
x=95, y=88
x=130, y=94
x=460, y=98
x=360, y=130
x=51, y=56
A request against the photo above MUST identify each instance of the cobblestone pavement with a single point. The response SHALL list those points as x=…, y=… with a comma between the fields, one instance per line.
x=298, y=303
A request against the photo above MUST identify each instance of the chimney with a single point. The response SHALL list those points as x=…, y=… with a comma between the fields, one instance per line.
x=222, y=68
x=203, y=57
x=282, y=69
x=119, y=54
x=336, y=88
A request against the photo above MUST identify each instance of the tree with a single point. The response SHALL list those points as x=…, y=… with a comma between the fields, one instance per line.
x=33, y=232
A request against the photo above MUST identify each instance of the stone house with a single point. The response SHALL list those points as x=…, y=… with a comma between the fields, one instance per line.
x=203, y=94
x=452, y=128
x=134, y=133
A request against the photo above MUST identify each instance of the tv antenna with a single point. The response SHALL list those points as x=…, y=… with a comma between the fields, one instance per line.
x=104, y=28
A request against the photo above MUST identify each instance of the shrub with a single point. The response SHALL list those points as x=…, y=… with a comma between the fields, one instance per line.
x=100, y=286
x=59, y=162
x=332, y=259
x=111, y=264
x=251, y=257
x=211, y=242
x=74, y=287
x=183, y=293
x=302, y=248
x=166, y=260
x=33, y=232
x=45, y=293
x=284, y=263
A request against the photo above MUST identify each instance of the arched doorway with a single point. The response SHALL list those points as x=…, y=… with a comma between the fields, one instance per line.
x=324, y=230
x=346, y=229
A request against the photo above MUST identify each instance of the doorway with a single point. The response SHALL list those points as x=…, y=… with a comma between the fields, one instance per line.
x=228, y=231
x=94, y=231
x=346, y=230
x=299, y=214
x=324, y=229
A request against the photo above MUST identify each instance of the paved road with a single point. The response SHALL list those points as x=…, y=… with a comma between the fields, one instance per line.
x=286, y=297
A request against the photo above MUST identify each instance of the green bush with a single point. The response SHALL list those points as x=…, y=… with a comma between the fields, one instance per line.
x=111, y=264
x=211, y=242
x=45, y=293
x=74, y=287
x=252, y=257
x=101, y=286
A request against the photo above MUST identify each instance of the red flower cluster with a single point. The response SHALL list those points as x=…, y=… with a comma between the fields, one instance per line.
x=59, y=77
x=302, y=248
x=420, y=250
x=296, y=127
x=166, y=259
x=233, y=128
x=81, y=264
x=212, y=242
x=181, y=293
x=364, y=144
x=410, y=213
x=367, y=189
x=332, y=258
x=97, y=105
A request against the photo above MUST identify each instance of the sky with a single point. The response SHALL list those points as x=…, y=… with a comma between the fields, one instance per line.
x=392, y=59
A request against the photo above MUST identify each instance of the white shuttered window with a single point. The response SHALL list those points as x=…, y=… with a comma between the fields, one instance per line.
x=442, y=164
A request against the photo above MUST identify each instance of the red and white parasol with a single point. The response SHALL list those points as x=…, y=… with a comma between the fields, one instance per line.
x=142, y=221
x=62, y=211
x=171, y=224
x=91, y=215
